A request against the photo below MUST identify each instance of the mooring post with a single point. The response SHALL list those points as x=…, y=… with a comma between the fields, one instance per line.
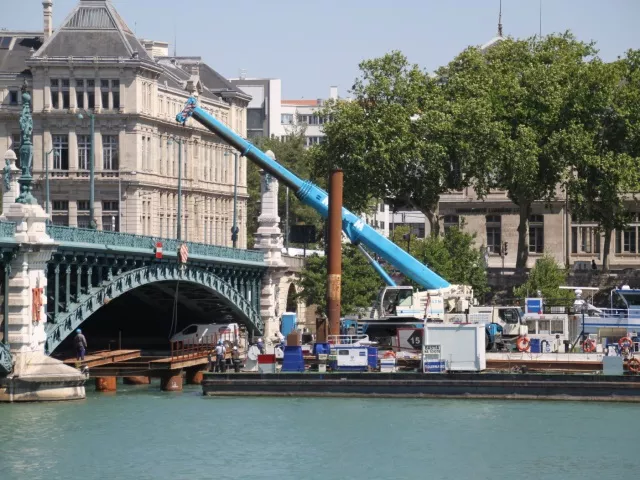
x=334, y=270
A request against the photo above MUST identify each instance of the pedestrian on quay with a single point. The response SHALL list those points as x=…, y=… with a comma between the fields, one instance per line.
x=80, y=343
x=220, y=351
x=235, y=359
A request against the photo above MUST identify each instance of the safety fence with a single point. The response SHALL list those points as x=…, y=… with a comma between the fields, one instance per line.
x=201, y=347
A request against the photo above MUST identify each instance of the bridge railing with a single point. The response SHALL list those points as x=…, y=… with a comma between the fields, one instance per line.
x=129, y=240
x=7, y=230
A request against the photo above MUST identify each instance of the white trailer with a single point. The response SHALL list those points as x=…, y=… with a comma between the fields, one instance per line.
x=462, y=347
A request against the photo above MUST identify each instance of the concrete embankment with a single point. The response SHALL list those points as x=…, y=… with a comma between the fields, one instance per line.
x=448, y=385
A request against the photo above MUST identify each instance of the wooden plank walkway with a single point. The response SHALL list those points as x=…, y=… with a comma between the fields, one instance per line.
x=107, y=357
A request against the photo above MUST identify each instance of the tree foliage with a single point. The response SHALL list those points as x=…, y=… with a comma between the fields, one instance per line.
x=453, y=256
x=545, y=277
x=360, y=282
x=402, y=135
x=538, y=90
x=607, y=148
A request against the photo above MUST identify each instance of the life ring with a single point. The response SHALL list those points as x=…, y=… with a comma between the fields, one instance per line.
x=634, y=365
x=523, y=344
x=389, y=354
x=625, y=342
x=588, y=346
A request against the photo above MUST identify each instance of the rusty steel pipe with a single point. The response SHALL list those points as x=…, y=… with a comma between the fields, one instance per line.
x=334, y=262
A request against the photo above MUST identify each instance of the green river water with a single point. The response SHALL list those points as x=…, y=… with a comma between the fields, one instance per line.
x=141, y=433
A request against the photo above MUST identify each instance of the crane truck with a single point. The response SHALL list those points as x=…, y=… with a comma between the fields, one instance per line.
x=394, y=302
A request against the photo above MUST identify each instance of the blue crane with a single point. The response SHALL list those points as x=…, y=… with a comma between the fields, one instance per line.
x=356, y=229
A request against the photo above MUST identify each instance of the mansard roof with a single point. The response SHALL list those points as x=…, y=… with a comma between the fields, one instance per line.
x=93, y=29
x=15, y=48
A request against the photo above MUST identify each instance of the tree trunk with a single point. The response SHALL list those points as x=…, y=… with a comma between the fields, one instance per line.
x=605, y=250
x=434, y=221
x=523, y=236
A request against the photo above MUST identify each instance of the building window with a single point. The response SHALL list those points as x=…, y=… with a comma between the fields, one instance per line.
x=115, y=93
x=494, y=233
x=55, y=93
x=13, y=97
x=60, y=213
x=536, y=234
x=626, y=240
x=65, y=94
x=286, y=118
x=585, y=239
x=80, y=93
x=110, y=216
x=84, y=219
x=104, y=92
x=303, y=118
x=91, y=94
x=84, y=148
x=313, y=140
x=110, y=152
x=61, y=152
x=416, y=229
x=451, y=221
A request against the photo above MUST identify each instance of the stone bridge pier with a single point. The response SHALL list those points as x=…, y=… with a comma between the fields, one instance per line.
x=32, y=375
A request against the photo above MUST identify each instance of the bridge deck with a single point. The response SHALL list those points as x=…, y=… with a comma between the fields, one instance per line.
x=107, y=357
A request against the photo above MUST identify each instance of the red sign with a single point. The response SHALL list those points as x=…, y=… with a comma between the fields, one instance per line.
x=36, y=303
x=183, y=253
x=159, y=250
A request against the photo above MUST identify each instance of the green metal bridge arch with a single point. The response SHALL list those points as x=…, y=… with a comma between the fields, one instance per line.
x=66, y=322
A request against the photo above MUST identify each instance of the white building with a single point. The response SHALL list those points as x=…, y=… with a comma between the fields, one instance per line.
x=94, y=65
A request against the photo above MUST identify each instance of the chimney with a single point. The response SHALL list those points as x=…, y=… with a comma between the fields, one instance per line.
x=47, y=10
x=333, y=93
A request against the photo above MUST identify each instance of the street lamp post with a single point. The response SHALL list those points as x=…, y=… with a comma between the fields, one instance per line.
x=120, y=198
x=179, y=225
x=46, y=179
x=92, y=177
x=234, y=228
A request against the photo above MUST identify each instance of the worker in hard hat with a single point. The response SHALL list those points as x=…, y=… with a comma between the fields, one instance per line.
x=220, y=351
x=80, y=343
x=235, y=359
x=261, y=346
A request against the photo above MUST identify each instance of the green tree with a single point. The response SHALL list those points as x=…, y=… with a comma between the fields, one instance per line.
x=545, y=277
x=291, y=153
x=400, y=139
x=536, y=90
x=607, y=170
x=453, y=256
x=360, y=283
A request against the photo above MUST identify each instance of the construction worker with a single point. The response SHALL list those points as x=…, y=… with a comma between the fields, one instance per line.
x=261, y=346
x=80, y=342
x=235, y=358
x=220, y=351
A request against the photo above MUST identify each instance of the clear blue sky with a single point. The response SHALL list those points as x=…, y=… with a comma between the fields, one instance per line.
x=312, y=44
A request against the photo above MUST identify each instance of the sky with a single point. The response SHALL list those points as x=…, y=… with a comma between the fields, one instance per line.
x=314, y=44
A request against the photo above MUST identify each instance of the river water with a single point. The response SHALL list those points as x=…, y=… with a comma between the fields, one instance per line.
x=141, y=433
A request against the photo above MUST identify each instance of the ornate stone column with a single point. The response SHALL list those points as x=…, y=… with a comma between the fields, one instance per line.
x=34, y=376
x=269, y=239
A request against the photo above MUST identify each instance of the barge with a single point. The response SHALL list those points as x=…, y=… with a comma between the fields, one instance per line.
x=525, y=386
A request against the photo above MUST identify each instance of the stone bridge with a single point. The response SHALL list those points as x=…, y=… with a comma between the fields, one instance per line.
x=55, y=278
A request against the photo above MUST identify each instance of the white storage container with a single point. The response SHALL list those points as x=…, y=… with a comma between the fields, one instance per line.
x=462, y=347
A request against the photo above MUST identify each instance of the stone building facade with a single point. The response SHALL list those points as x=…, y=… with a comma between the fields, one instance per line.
x=94, y=64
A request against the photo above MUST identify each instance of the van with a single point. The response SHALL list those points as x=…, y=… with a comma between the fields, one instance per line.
x=209, y=334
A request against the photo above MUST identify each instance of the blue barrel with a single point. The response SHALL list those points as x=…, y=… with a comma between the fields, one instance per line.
x=321, y=349
x=288, y=323
x=535, y=345
x=372, y=357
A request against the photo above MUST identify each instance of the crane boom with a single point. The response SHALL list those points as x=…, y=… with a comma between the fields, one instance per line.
x=354, y=227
